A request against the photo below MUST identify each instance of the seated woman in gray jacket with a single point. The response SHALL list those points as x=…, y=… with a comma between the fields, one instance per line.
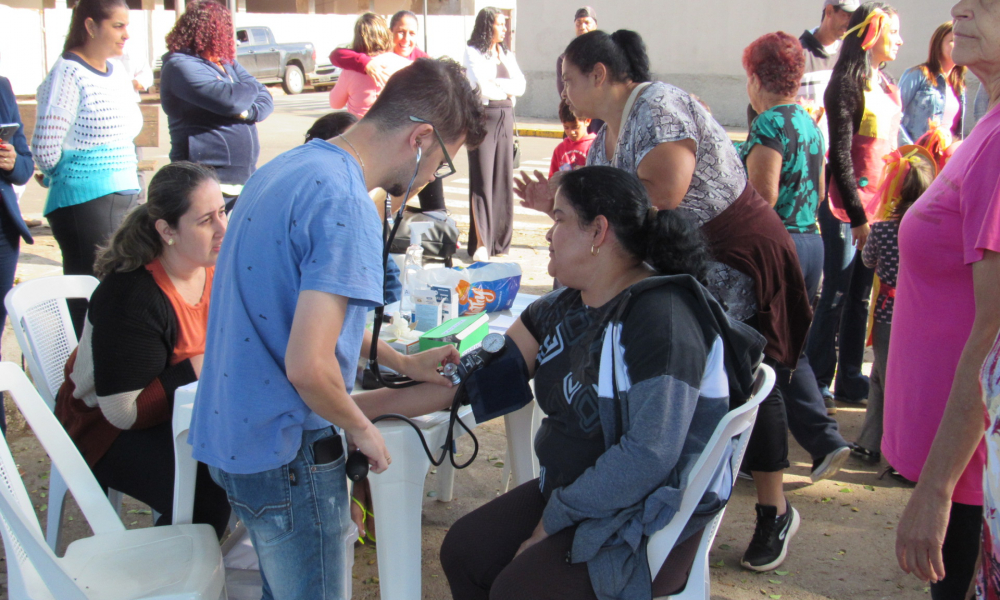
x=613, y=465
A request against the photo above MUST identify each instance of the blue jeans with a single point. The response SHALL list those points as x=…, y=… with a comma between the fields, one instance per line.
x=838, y=259
x=808, y=421
x=296, y=515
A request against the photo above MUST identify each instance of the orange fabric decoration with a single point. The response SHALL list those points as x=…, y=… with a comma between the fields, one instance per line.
x=876, y=20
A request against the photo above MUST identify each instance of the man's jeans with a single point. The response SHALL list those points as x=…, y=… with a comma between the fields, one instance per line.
x=814, y=430
x=296, y=515
x=821, y=346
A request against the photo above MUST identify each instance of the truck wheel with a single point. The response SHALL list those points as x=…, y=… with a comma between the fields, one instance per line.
x=294, y=80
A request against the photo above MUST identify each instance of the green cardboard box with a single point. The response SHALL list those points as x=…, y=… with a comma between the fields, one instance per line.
x=461, y=332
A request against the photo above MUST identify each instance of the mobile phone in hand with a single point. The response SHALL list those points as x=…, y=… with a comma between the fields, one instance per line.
x=7, y=131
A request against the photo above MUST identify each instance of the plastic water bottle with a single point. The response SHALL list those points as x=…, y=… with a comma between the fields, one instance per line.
x=412, y=264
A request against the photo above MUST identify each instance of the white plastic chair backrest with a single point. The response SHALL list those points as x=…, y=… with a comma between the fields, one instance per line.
x=61, y=450
x=737, y=422
x=41, y=322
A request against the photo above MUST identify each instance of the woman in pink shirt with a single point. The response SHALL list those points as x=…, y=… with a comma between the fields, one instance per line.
x=946, y=318
x=357, y=91
x=403, y=27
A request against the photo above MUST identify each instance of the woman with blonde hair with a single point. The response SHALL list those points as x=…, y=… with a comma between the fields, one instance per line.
x=358, y=91
x=934, y=92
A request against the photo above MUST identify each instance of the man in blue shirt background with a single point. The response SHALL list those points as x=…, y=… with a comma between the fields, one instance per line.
x=300, y=267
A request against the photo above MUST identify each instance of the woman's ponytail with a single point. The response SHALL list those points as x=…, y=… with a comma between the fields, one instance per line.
x=674, y=246
x=623, y=53
x=135, y=243
x=634, y=50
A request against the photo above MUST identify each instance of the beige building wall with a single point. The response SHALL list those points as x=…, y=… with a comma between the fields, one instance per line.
x=696, y=45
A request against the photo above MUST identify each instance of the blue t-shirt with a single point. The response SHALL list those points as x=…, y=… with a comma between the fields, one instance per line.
x=304, y=222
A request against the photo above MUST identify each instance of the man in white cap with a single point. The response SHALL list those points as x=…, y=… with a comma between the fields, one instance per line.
x=822, y=46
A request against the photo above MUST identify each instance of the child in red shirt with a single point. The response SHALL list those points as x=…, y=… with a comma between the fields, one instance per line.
x=572, y=152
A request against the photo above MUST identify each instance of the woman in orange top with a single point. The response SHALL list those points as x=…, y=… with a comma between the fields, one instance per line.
x=144, y=337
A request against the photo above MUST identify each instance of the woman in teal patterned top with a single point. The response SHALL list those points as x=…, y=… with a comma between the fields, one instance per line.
x=783, y=155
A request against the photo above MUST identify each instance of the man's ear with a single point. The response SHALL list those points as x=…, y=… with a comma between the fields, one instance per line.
x=420, y=137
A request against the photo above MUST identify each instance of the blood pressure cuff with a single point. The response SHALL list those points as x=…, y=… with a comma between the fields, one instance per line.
x=500, y=387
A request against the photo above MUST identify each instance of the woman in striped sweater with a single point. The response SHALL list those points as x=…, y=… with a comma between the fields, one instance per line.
x=144, y=337
x=83, y=140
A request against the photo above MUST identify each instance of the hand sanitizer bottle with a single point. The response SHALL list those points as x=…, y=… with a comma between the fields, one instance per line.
x=413, y=263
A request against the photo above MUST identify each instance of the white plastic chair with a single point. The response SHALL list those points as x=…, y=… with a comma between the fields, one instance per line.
x=177, y=562
x=41, y=322
x=728, y=442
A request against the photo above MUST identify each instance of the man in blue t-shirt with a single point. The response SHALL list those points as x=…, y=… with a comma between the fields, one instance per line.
x=299, y=269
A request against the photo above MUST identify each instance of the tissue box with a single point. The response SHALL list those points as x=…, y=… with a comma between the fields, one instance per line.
x=404, y=346
x=463, y=333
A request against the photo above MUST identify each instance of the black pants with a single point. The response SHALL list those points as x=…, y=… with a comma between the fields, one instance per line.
x=80, y=230
x=960, y=550
x=491, y=183
x=140, y=463
x=432, y=196
x=478, y=555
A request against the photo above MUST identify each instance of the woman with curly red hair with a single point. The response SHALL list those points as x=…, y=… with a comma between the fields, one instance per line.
x=212, y=103
x=783, y=155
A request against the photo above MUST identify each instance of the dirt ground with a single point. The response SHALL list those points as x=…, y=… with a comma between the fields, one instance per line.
x=843, y=550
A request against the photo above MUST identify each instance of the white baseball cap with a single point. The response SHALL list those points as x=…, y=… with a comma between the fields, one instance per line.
x=845, y=5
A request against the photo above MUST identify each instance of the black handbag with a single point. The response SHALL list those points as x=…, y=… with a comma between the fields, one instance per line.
x=440, y=241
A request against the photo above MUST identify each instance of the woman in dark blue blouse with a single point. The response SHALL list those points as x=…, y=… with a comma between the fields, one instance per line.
x=16, y=167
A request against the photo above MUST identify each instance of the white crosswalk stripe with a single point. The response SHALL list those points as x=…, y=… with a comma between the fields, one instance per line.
x=518, y=225
x=518, y=210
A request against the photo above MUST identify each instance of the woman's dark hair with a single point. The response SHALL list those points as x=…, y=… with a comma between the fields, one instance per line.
x=482, y=32
x=331, y=125
x=623, y=53
x=932, y=68
x=666, y=241
x=137, y=242
x=205, y=29
x=917, y=180
x=854, y=61
x=396, y=18
x=98, y=10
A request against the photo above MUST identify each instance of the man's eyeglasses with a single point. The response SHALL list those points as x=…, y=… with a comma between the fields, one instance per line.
x=448, y=168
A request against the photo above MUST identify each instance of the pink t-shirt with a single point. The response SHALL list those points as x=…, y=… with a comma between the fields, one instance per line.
x=358, y=91
x=942, y=235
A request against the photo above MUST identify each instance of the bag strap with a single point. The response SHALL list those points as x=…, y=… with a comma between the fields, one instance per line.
x=628, y=110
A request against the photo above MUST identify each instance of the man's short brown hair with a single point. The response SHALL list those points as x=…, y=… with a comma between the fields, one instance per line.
x=435, y=90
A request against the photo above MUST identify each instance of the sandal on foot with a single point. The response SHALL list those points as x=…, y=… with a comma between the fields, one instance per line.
x=864, y=454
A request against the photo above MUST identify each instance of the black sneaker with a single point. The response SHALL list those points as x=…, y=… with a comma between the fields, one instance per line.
x=769, y=545
x=827, y=466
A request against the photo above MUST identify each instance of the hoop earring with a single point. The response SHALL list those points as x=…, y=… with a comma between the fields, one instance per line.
x=595, y=250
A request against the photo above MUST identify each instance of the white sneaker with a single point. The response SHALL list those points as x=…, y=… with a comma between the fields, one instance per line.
x=481, y=255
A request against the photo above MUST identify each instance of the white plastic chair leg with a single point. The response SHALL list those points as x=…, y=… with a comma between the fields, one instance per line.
x=520, y=427
x=57, y=497
x=116, y=499
x=446, y=481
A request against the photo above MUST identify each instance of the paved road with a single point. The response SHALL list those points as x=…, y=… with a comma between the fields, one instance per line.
x=286, y=127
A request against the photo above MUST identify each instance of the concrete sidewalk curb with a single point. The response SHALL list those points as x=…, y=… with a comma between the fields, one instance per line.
x=554, y=132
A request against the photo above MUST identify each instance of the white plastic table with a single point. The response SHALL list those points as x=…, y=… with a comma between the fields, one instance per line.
x=398, y=493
